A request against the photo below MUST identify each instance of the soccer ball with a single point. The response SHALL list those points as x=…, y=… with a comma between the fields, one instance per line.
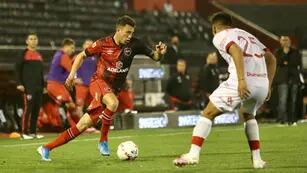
x=127, y=151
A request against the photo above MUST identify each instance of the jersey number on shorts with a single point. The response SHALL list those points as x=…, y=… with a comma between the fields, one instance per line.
x=252, y=41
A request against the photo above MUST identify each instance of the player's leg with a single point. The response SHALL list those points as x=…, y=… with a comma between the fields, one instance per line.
x=28, y=104
x=252, y=135
x=249, y=109
x=224, y=98
x=111, y=102
x=102, y=94
x=66, y=136
x=200, y=133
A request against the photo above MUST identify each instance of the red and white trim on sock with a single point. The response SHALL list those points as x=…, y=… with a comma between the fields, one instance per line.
x=200, y=133
x=252, y=134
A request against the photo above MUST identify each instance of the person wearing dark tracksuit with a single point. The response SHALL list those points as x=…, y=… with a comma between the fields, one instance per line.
x=30, y=81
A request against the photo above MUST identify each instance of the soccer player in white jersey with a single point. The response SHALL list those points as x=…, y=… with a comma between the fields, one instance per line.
x=252, y=67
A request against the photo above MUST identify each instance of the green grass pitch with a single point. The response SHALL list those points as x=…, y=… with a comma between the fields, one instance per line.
x=226, y=150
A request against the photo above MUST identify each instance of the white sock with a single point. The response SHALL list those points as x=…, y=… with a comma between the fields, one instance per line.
x=202, y=130
x=252, y=134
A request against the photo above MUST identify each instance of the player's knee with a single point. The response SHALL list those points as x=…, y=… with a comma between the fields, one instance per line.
x=112, y=105
x=247, y=116
x=81, y=126
x=208, y=114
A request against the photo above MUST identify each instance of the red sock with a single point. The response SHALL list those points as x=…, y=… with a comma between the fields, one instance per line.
x=63, y=138
x=106, y=122
x=70, y=120
x=196, y=140
x=254, y=145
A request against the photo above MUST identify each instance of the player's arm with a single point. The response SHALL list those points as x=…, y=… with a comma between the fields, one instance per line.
x=236, y=53
x=271, y=68
x=76, y=65
x=18, y=72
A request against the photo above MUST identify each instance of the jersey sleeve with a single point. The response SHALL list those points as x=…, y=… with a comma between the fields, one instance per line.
x=94, y=49
x=223, y=40
x=261, y=46
x=66, y=63
x=144, y=49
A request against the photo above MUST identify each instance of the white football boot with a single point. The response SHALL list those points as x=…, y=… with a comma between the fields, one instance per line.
x=258, y=163
x=186, y=159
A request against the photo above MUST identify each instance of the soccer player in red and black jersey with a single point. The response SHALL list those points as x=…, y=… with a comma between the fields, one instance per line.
x=115, y=53
x=30, y=81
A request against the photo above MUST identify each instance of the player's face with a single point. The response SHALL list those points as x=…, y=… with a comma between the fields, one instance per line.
x=32, y=41
x=70, y=49
x=87, y=43
x=285, y=41
x=213, y=29
x=181, y=66
x=125, y=33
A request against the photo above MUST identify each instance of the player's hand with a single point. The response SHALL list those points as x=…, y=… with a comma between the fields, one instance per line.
x=242, y=89
x=269, y=94
x=161, y=48
x=69, y=83
x=78, y=81
x=21, y=88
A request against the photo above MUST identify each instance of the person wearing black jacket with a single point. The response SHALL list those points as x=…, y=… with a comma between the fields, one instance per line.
x=179, y=88
x=287, y=79
x=30, y=81
x=208, y=78
x=173, y=53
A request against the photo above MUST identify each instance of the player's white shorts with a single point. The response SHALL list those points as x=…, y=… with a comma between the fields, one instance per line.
x=226, y=97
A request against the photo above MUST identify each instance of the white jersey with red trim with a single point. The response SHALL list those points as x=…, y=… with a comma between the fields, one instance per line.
x=253, y=52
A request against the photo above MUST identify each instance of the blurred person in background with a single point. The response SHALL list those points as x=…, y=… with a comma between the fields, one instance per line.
x=30, y=81
x=208, y=78
x=84, y=73
x=289, y=65
x=168, y=8
x=59, y=69
x=179, y=88
x=173, y=53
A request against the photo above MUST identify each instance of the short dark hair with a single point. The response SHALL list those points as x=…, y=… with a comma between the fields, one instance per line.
x=222, y=18
x=68, y=42
x=125, y=20
x=31, y=33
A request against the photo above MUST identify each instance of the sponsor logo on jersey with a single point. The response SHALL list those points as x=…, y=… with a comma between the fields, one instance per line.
x=119, y=64
x=118, y=68
x=127, y=51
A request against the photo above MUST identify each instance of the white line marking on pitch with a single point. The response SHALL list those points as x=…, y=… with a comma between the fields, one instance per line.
x=123, y=137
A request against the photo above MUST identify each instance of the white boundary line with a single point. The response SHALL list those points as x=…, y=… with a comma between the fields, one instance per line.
x=124, y=137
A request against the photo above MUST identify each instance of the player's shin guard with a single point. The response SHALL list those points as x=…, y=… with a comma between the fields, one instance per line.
x=200, y=133
x=252, y=134
x=106, y=122
x=64, y=137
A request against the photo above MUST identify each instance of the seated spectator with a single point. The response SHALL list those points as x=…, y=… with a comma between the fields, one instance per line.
x=208, y=78
x=179, y=88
